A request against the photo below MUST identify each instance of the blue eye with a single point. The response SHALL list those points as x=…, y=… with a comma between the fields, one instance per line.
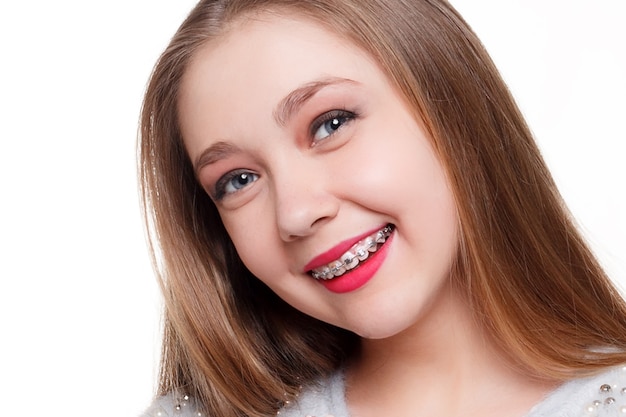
x=233, y=182
x=328, y=123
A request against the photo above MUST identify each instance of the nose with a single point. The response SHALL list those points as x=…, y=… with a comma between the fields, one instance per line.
x=303, y=198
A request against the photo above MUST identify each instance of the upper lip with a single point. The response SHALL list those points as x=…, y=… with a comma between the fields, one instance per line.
x=336, y=251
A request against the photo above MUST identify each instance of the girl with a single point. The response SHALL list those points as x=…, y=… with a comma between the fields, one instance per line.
x=350, y=217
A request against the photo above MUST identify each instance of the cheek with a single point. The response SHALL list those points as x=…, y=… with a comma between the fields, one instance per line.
x=256, y=244
x=398, y=173
x=396, y=166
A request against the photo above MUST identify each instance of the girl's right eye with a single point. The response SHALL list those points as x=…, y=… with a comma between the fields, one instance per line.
x=234, y=181
x=328, y=123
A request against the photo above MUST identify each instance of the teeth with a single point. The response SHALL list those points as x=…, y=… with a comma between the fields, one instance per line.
x=362, y=253
x=370, y=244
x=337, y=268
x=349, y=260
x=355, y=255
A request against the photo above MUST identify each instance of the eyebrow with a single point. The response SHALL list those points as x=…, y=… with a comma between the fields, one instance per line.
x=294, y=101
x=283, y=112
x=215, y=152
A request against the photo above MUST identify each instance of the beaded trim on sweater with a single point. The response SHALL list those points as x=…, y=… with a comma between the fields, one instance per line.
x=602, y=395
x=610, y=398
x=173, y=405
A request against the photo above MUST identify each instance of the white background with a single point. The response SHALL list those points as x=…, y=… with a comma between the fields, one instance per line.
x=79, y=307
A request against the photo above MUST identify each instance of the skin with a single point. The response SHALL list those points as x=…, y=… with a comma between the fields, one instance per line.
x=308, y=186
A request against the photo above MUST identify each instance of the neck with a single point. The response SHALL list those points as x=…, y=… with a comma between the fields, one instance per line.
x=445, y=364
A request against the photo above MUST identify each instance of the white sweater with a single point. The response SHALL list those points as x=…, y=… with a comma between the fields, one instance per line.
x=603, y=395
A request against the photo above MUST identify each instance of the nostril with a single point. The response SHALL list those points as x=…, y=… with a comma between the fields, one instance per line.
x=302, y=217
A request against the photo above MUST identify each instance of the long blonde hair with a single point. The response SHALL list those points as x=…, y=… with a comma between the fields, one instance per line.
x=526, y=271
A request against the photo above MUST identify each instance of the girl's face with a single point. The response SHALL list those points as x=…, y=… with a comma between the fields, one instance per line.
x=318, y=168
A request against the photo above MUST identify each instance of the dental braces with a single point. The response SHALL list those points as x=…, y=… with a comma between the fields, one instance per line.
x=356, y=254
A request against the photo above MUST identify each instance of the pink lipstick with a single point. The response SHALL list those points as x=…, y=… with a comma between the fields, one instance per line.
x=353, y=262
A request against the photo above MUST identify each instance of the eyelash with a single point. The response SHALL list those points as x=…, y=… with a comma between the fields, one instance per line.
x=344, y=116
x=224, y=182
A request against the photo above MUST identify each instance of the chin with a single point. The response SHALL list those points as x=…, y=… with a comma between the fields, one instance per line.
x=379, y=331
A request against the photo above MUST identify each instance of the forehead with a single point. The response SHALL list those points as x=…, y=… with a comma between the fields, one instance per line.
x=257, y=62
x=268, y=49
x=273, y=39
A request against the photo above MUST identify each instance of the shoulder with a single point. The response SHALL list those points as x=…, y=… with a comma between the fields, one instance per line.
x=602, y=395
x=172, y=405
x=325, y=398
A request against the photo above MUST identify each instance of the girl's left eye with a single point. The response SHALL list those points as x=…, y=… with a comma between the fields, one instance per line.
x=328, y=123
x=233, y=182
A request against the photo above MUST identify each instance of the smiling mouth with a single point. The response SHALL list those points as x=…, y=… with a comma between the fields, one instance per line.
x=355, y=256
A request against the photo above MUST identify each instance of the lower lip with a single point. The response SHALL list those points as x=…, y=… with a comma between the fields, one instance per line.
x=361, y=275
